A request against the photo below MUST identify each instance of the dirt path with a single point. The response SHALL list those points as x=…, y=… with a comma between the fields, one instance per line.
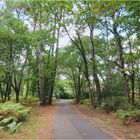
x=69, y=124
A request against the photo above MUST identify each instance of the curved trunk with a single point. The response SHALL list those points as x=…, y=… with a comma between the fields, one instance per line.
x=94, y=66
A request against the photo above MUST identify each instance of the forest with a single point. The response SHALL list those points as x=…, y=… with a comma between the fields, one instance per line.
x=88, y=51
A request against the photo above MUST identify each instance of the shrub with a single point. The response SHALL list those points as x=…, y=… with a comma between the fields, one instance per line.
x=137, y=103
x=104, y=105
x=14, y=109
x=85, y=102
x=14, y=127
x=30, y=101
x=7, y=120
x=129, y=116
x=112, y=103
x=115, y=86
x=12, y=114
x=1, y=128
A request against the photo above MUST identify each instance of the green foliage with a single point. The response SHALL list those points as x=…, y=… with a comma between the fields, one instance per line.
x=85, y=102
x=64, y=95
x=129, y=116
x=30, y=101
x=104, y=105
x=14, y=109
x=109, y=122
x=137, y=103
x=14, y=127
x=112, y=103
x=1, y=128
x=13, y=114
x=113, y=86
x=7, y=120
x=11, y=106
x=63, y=89
x=21, y=115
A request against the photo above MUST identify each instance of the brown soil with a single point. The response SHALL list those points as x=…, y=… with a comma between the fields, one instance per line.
x=38, y=125
x=110, y=123
x=46, y=128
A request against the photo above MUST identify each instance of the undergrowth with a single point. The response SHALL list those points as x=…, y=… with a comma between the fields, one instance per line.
x=129, y=116
x=12, y=115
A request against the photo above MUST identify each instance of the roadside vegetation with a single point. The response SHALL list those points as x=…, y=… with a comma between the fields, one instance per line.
x=12, y=115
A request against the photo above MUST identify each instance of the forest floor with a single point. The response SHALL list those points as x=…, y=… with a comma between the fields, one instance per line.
x=110, y=122
x=37, y=126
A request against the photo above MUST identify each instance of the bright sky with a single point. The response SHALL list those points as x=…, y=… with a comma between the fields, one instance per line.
x=64, y=40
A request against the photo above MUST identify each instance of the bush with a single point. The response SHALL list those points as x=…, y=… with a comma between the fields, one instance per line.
x=14, y=127
x=12, y=114
x=112, y=103
x=30, y=101
x=85, y=102
x=104, y=105
x=137, y=103
x=115, y=86
x=129, y=116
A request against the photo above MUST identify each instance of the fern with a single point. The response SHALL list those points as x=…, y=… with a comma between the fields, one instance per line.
x=7, y=120
x=1, y=128
x=14, y=114
x=14, y=109
x=14, y=127
x=129, y=116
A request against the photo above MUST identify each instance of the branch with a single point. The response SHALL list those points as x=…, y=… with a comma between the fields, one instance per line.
x=117, y=63
x=120, y=66
x=72, y=39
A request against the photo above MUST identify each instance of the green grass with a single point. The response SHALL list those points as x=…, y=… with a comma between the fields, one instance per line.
x=109, y=122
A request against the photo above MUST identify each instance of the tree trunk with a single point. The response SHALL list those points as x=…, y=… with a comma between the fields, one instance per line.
x=77, y=84
x=17, y=96
x=41, y=80
x=78, y=90
x=125, y=78
x=54, y=69
x=17, y=90
x=1, y=91
x=138, y=83
x=80, y=47
x=133, y=86
x=27, y=89
x=94, y=66
x=51, y=93
x=82, y=51
x=132, y=76
x=7, y=91
x=139, y=86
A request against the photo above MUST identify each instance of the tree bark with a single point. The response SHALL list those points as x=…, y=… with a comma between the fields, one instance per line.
x=125, y=78
x=41, y=75
x=54, y=70
x=27, y=89
x=94, y=66
x=133, y=86
x=1, y=91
